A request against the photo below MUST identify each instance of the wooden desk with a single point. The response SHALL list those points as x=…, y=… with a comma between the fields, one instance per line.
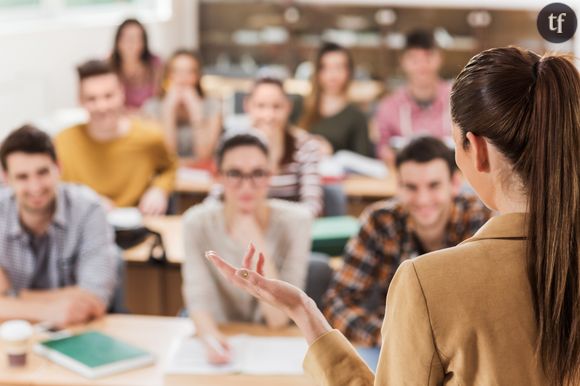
x=366, y=187
x=154, y=334
x=240, y=379
x=155, y=289
x=171, y=232
x=192, y=186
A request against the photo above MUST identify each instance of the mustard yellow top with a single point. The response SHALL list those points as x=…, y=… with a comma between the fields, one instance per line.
x=459, y=316
x=121, y=169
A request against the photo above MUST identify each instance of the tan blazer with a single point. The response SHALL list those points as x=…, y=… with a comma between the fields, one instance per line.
x=459, y=316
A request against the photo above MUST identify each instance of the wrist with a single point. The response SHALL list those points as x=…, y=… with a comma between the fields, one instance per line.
x=309, y=319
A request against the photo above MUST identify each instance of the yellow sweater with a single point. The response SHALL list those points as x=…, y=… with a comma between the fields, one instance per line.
x=121, y=169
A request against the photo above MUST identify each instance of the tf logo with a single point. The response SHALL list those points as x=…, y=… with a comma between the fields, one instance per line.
x=557, y=23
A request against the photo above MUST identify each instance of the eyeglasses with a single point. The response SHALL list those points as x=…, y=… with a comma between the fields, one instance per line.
x=235, y=177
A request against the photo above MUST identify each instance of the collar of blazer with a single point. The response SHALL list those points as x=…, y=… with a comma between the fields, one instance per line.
x=511, y=226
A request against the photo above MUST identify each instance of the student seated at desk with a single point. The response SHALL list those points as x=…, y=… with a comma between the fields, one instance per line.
x=294, y=154
x=124, y=159
x=279, y=227
x=421, y=107
x=428, y=214
x=191, y=120
x=337, y=123
x=58, y=259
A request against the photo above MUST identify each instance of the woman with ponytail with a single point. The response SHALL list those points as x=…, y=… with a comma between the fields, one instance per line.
x=501, y=308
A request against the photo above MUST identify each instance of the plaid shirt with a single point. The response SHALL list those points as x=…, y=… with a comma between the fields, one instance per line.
x=80, y=246
x=386, y=238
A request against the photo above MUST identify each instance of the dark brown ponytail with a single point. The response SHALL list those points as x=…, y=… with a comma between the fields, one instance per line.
x=529, y=108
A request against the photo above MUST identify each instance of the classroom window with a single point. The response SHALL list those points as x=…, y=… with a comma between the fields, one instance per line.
x=18, y=3
x=16, y=13
x=76, y=3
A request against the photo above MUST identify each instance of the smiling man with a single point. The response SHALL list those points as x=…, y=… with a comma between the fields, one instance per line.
x=123, y=158
x=58, y=259
x=428, y=214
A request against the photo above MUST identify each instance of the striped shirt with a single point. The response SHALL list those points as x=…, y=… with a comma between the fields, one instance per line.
x=297, y=180
x=78, y=248
x=386, y=239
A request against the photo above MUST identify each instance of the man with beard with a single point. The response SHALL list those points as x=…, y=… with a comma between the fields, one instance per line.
x=123, y=158
x=428, y=214
x=58, y=259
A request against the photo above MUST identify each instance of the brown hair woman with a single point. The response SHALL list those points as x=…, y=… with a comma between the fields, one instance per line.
x=190, y=119
x=138, y=68
x=338, y=124
x=503, y=307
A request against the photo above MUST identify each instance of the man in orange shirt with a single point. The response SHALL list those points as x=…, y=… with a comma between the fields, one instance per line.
x=123, y=158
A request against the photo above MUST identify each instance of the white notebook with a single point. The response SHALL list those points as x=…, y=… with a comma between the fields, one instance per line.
x=251, y=355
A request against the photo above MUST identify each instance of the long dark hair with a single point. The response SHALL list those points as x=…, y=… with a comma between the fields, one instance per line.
x=312, y=105
x=528, y=107
x=146, y=55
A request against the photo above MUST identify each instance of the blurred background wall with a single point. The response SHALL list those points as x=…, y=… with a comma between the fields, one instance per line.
x=41, y=41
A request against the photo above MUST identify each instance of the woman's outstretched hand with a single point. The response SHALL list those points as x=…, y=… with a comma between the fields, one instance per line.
x=286, y=297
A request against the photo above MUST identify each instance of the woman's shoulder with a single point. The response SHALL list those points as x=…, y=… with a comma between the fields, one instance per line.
x=354, y=113
x=156, y=61
x=474, y=265
x=203, y=213
x=353, y=108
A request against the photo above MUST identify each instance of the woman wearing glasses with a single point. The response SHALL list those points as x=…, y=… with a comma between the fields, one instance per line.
x=280, y=228
x=503, y=307
x=294, y=154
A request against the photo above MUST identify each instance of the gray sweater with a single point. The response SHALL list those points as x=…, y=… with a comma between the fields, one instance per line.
x=288, y=240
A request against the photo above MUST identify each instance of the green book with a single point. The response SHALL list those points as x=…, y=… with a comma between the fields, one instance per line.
x=93, y=354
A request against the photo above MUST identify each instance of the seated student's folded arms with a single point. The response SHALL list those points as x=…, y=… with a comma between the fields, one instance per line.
x=124, y=159
x=280, y=228
x=428, y=214
x=58, y=259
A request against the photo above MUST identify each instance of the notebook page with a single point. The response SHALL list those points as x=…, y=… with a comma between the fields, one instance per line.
x=273, y=355
x=188, y=357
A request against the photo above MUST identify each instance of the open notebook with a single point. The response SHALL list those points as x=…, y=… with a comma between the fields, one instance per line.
x=251, y=355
